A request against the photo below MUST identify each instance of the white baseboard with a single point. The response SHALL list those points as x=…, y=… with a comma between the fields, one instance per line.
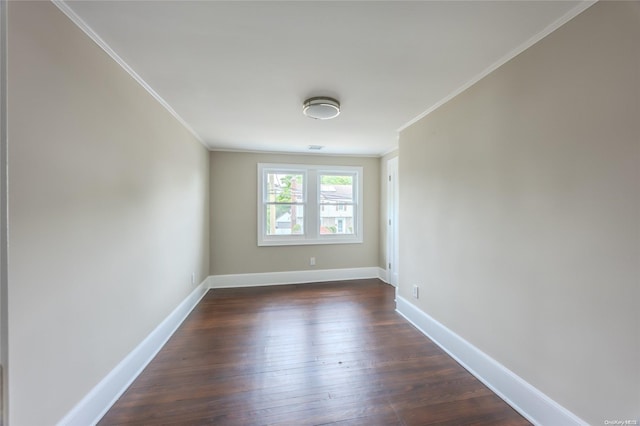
x=382, y=274
x=100, y=399
x=292, y=277
x=534, y=405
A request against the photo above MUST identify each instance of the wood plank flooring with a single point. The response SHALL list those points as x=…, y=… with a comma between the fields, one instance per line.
x=306, y=354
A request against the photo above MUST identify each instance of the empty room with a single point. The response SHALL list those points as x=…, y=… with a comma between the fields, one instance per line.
x=319, y=212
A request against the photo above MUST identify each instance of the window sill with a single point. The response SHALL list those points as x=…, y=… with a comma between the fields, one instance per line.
x=309, y=242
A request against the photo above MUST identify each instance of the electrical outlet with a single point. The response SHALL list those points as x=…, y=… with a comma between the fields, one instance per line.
x=416, y=292
x=193, y=278
x=312, y=261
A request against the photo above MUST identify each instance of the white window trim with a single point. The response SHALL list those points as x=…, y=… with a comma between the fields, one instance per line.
x=311, y=206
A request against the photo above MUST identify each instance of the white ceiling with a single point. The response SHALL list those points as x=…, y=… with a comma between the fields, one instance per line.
x=237, y=72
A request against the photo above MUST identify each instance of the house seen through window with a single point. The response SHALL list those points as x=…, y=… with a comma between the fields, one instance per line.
x=336, y=199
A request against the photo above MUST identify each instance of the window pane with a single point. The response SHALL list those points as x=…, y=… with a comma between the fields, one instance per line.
x=336, y=200
x=337, y=219
x=284, y=219
x=285, y=188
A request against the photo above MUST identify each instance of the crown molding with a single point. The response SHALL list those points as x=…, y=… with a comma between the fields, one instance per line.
x=70, y=13
x=584, y=5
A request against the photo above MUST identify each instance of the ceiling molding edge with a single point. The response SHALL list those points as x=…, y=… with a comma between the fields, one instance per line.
x=389, y=151
x=584, y=5
x=303, y=153
x=64, y=8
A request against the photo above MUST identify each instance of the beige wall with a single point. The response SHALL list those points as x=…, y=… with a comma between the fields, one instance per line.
x=108, y=214
x=382, y=249
x=234, y=232
x=520, y=207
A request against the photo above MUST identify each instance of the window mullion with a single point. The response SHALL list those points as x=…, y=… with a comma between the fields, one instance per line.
x=312, y=204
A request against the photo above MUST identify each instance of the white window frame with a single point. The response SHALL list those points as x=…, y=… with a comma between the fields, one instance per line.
x=312, y=209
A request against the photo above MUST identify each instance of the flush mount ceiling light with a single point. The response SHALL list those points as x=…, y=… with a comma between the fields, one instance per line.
x=321, y=108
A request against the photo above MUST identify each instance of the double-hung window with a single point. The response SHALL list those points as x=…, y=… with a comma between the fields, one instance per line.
x=309, y=204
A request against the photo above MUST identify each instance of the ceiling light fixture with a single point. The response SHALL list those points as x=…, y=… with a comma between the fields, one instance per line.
x=321, y=108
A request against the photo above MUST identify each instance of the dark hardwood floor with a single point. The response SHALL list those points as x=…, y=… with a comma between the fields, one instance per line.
x=307, y=354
